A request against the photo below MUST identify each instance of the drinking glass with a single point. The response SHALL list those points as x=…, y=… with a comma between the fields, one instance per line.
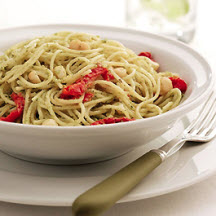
x=175, y=18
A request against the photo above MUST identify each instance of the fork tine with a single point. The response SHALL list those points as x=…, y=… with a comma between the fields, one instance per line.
x=202, y=114
x=210, y=130
x=206, y=121
x=212, y=134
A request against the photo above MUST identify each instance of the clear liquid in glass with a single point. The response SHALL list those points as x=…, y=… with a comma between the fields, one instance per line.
x=175, y=18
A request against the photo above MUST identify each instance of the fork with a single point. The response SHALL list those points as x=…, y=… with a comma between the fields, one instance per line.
x=105, y=194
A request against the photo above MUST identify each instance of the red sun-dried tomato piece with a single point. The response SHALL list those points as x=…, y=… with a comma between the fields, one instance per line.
x=73, y=91
x=88, y=96
x=111, y=121
x=15, y=114
x=179, y=83
x=107, y=76
x=96, y=72
x=147, y=54
x=77, y=89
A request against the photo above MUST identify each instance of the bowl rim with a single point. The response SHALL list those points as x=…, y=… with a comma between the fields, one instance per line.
x=174, y=113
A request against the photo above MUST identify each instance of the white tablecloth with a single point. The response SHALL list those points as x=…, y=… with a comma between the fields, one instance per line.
x=197, y=200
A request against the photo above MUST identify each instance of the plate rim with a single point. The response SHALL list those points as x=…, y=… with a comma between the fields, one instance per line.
x=128, y=198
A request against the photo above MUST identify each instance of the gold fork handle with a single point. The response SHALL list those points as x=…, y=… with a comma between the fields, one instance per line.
x=105, y=194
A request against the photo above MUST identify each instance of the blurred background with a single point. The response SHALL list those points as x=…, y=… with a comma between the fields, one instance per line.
x=190, y=21
x=160, y=16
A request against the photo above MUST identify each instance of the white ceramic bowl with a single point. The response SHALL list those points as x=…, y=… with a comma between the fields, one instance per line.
x=68, y=145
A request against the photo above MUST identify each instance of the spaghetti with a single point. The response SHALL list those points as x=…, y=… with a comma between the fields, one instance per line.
x=74, y=79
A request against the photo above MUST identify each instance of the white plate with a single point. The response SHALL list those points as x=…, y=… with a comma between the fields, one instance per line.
x=37, y=184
